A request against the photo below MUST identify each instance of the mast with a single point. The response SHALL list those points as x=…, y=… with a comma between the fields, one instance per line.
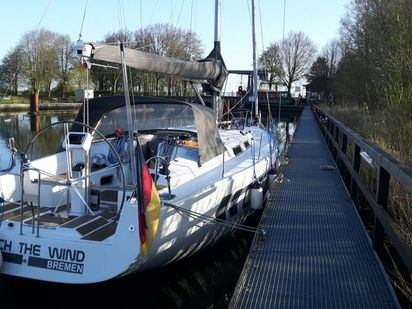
x=255, y=77
x=215, y=98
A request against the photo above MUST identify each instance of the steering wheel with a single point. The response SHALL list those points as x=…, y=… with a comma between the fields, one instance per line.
x=71, y=181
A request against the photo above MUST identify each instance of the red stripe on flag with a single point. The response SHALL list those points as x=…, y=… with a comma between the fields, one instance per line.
x=147, y=184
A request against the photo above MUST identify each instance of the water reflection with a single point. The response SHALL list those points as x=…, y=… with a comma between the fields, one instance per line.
x=19, y=126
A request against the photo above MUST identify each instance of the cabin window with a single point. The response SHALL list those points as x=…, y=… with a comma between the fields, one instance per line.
x=237, y=150
x=149, y=117
x=247, y=144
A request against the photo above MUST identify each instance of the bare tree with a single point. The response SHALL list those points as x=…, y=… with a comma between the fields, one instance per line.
x=166, y=40
x=270, y=61
x=297, y=52
x=65, y=61
x=332, y=54
x=108, y=79
x=39, y=64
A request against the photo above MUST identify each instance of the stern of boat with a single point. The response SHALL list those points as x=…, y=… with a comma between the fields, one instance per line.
x=48, y=242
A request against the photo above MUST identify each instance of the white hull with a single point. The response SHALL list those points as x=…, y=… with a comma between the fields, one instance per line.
x=72, y=252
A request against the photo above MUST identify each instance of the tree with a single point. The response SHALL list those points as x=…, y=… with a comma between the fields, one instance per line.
x=376, y=41
x=297, y=52
x=65, y=61
x=319, y=68
x=332, y=54
x=318, y=77
x=39, y=63
x=166, y=40
x=10, y=70
x=270, y=61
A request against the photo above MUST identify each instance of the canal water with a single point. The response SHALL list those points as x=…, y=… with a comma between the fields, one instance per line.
x=205, y=280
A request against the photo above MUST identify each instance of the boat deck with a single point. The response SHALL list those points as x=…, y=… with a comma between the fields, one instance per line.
x=317, y=253
x=96, y=227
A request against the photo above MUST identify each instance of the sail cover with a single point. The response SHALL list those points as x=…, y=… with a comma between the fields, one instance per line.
x=211, y=70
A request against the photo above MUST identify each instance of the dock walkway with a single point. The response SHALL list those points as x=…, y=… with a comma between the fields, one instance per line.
x=317, y=253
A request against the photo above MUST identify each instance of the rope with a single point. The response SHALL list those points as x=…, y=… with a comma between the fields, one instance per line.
x=212, y=220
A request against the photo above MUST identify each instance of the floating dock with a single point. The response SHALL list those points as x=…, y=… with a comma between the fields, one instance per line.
x=317, y=253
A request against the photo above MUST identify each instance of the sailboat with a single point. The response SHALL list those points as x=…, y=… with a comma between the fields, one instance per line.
x=136, y=183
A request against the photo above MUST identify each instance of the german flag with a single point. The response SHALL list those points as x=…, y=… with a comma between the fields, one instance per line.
x=148, y=202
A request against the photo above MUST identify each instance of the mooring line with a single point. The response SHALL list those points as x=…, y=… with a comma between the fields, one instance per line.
x=212, y=220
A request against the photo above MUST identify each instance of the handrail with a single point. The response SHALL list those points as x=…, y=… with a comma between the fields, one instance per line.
x=337, y=136
x=166, y=163
x=23, y=201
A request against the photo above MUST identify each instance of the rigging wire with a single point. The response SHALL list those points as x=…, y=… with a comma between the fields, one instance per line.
x=154, y=10
x=237, y=103
x=121, y=19
x=191, y=17
x=44, y=13
x=180, y=13
x=283, y=38
x=171, y=12
x=270, y=119
x=261, y=26
x=141, y=16
x=284, y=19
x=84, y=16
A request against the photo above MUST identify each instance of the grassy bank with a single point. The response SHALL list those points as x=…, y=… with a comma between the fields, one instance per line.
x=390, y=131
x=26, y=100
x=15, y=100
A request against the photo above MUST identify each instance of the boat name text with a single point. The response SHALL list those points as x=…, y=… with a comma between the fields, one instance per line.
x=60, y=259
x=65, y=254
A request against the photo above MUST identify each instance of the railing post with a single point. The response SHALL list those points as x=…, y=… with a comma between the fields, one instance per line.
x=382, y=193
x=343, y=148
x=330, y=129
x=335, y=148
x=356, y=168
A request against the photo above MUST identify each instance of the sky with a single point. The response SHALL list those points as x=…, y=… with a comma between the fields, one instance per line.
x=318, y=19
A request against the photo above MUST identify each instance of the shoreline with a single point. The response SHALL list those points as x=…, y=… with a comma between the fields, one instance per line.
x=42, y=106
